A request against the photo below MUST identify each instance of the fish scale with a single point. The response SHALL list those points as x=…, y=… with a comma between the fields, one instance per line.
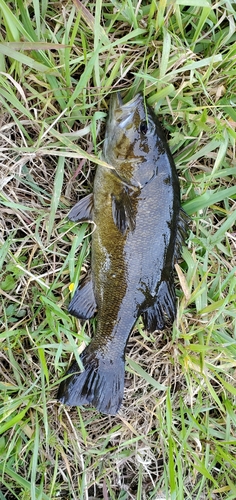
x=139, y=231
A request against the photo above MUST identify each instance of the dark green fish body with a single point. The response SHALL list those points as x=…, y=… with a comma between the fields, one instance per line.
x=139, y=230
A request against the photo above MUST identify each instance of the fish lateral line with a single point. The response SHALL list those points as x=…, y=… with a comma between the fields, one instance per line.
x=140, y=230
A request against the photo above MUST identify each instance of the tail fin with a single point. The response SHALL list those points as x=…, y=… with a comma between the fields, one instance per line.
x=100, y=384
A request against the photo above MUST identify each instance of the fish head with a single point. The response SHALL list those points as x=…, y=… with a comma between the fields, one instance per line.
x=132, y=142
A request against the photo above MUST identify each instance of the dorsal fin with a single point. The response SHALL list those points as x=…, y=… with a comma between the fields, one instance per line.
x=182, y=233
x=163, y=310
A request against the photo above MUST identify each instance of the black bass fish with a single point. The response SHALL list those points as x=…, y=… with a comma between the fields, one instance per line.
x=139, y=232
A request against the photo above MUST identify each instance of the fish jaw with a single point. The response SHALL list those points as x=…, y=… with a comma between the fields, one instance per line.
x=119, y=111
x=120, y=115
x=134, y=142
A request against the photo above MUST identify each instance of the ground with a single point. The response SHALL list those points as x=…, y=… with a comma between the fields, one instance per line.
x=175, y=435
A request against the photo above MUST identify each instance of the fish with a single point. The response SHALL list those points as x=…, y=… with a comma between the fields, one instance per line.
x=140, y=228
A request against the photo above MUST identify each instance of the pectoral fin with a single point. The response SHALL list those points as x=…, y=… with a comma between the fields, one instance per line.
x=122, y=212
x=83, y=210
x=83, y=304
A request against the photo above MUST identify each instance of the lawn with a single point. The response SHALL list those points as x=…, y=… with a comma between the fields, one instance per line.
x=175, y=435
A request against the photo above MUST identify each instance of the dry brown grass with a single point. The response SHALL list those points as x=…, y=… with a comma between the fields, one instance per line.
x=176, y=440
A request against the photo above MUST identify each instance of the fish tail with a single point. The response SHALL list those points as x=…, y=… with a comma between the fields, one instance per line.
x=101, y=384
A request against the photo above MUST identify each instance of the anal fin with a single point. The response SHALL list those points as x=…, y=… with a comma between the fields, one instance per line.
x=83, y=304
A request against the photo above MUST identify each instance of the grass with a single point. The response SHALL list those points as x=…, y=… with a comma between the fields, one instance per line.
x=175, y=436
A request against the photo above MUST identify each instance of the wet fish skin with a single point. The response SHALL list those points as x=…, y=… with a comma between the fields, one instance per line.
x=139, y=231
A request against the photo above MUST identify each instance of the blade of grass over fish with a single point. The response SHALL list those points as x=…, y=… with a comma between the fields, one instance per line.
x=75, y=272
x=74, y=147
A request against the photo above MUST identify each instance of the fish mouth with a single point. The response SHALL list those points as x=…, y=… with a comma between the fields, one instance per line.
x=122, y=113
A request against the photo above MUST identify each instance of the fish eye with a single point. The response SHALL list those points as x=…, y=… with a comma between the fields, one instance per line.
x=144, y=127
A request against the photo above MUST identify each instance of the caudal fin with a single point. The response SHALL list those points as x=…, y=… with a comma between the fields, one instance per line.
x=101, y=384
